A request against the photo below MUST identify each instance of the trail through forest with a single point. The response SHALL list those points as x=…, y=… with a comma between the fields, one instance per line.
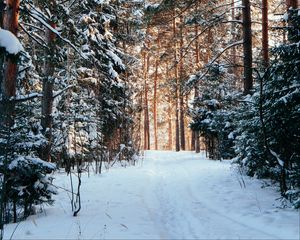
x=167, y=196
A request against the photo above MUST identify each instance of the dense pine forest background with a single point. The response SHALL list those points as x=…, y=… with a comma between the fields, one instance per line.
x=96, y=82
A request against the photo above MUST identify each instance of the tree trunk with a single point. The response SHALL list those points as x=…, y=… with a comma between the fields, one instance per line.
x=181, y=97
x=146, y=108
x=170, y=134
x=197, y=138
x=265, y=33
x=177, y=147
x=233, y=49
x=247, y=46
x=177, y=143
x=195, y=146
x=47, y=99
x=10, y=22
x=293, y=35
x=2, y=7
x=193, y=141
x=9, y=71
x=155, y=107
x=182, y=125
x=291, y=4
x=155, y=100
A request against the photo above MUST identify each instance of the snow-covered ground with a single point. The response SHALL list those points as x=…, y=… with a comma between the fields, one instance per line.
x=167, y=196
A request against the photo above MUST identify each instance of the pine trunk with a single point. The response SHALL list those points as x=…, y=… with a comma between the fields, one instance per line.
x=195, y=144
x=233, y=49
x=10, y=23
x=177, y=141
x=247, y=46
x=47, y=99
x=155, y=102
x=292, y=33
x=146, y=108
x=291, y=4
x=170, y=133
x=9, y=71
x=181, y=97
x=265, y=33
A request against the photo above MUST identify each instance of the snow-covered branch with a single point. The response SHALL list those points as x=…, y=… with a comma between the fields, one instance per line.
x=63, y=90
x=36, y=16
x=23, y=98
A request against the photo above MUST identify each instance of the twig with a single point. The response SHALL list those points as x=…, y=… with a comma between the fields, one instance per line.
x=15, y=229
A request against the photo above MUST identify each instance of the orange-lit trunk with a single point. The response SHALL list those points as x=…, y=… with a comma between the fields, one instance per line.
x=146, y=107
x=155, y=105
x=195, y=144
x=233, y=49
x=9, y=18
x=181, y=97
x=155, y=99
x=10, y=22
x=170, y=133
x=177, y=143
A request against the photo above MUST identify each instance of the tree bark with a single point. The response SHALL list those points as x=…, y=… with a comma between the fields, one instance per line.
x=291, y=4
x=155, y=98
x=146, y=108
x=292, y=32
x=177, y=143
x=265, y=33
x=233, y=49
x=195, y=146
x=170, y=133
x=181, y=97
x=9, y=71
x=10, y=23
x=155, y=106
x=47, y=99
x=247, y=46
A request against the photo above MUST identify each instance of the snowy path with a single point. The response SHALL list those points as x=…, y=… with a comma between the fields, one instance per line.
x=169, y=196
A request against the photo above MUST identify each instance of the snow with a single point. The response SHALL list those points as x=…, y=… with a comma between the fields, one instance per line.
x=10, y=42
x=166, y=196
x=281, y=163
x=212, y=102
x=286, y=17
x=20, y=159
x=115, y=59
x=227, y=125
x=231, y=135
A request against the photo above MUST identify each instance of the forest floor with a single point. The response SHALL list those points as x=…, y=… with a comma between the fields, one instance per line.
x=166, y=196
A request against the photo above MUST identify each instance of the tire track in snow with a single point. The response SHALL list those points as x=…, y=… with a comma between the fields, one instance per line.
x=222, y=217
x=171, y=219
x=177, y=217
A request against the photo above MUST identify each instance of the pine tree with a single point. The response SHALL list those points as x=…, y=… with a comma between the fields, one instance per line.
x=268, y=134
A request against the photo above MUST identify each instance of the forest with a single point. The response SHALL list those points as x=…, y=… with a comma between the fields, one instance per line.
x=91, y=84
